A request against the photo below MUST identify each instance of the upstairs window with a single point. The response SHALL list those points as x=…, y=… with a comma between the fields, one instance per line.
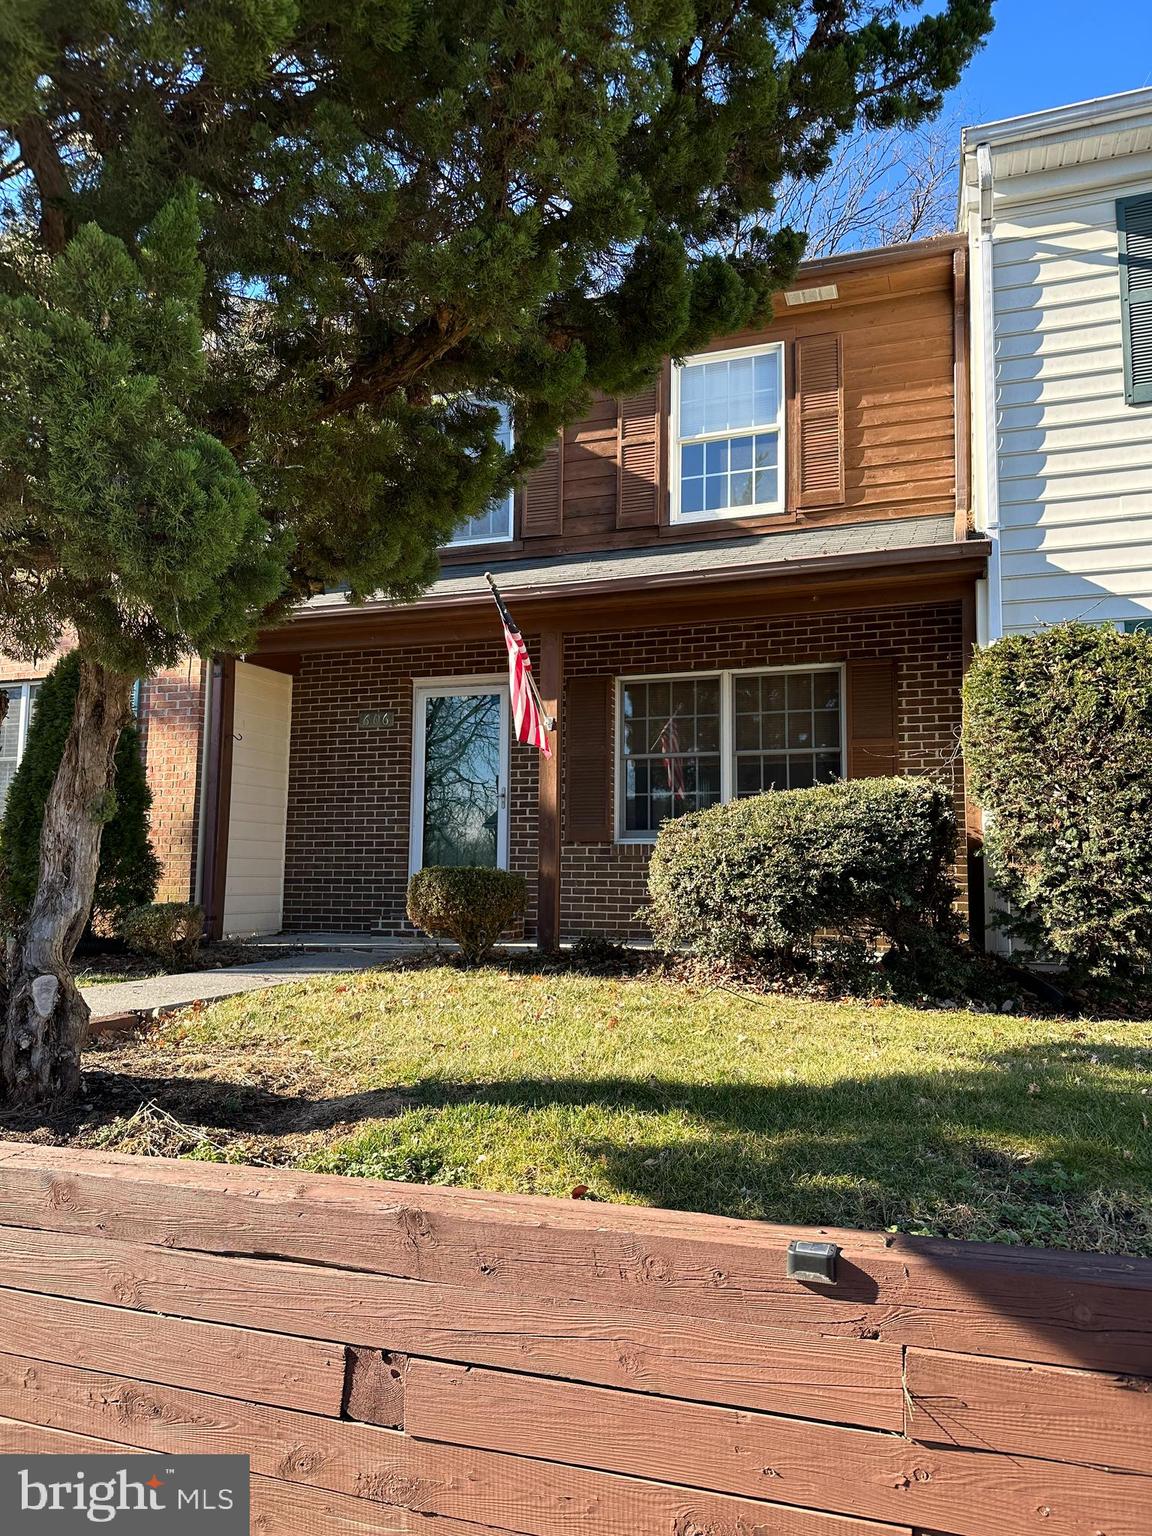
x=728, y=434
x=494, y=524
x=14, y=730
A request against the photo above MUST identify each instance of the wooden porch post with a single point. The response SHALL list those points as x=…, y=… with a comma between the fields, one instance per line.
x=548, y=867
x=216, y=793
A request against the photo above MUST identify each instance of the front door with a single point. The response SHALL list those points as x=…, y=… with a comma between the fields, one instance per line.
x=460, y=775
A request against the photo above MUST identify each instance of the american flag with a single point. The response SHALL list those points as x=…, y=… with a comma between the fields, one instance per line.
x=668, y=743
x=530, y=722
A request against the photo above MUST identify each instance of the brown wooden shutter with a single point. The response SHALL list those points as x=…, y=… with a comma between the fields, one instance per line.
x=640, y=484
x=820, y=421
x=873, y=747
x=544, y=494
x=586, y=744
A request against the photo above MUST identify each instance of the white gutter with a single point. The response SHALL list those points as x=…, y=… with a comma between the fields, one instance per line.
x=991, y=464
x=1077, y=118
x=205, y=747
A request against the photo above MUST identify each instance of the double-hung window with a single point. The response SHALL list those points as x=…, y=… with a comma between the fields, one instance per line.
x=685, y=743
x=728, y=434
x=14, y=730
x=494, y=524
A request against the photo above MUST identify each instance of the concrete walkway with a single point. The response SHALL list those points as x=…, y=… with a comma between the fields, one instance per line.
x=146, y=995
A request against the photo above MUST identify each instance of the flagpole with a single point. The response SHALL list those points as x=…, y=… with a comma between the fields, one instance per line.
x=506, y=617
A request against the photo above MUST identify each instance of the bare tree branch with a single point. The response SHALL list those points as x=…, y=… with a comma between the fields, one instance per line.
x=880, y=189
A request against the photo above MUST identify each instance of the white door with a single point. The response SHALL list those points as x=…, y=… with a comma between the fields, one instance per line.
x=258, y=810
x=460, y=774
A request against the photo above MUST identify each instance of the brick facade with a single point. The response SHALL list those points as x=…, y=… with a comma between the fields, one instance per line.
x=350, y=799
x=350, y=793
x=605, y=884
x=172, y=712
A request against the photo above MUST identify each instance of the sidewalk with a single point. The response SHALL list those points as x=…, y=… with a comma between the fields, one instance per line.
x=148, y=994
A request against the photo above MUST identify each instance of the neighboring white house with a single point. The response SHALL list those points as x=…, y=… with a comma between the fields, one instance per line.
x=1058, y=211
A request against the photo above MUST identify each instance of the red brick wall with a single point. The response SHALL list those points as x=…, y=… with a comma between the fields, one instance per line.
x=172, y=710
x=349, y=794
x=604, y=884
x=349, y=797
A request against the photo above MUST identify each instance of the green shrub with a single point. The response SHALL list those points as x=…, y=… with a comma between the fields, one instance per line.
x=759, y=879
x=169, y=931
x=1058, y=742
x=469, y=905
x=129, y=869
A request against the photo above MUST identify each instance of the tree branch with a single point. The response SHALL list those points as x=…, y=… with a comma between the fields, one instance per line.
x=42, y=158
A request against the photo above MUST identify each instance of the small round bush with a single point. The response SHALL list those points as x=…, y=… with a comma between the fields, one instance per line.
x=470, y=905
x=759, y=879
x=1058, y=742
x=169, y=931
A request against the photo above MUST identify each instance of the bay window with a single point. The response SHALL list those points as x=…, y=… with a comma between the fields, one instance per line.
x=494, y=525
x=728, y=434
x=685, y=743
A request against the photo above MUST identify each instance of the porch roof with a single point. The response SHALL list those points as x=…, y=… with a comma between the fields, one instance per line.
x=597, y=571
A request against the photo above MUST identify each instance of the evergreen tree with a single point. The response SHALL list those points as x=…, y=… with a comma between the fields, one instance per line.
x=129, y=870
x=260, y=259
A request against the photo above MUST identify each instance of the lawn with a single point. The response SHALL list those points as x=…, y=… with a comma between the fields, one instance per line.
x=645, y=1089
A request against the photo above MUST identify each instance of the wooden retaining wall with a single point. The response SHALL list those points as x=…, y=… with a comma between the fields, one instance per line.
x=407, y=1361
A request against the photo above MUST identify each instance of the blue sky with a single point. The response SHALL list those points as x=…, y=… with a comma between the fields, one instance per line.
x=1045, y=53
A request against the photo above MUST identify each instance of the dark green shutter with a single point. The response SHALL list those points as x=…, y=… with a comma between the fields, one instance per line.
x=1134, y=221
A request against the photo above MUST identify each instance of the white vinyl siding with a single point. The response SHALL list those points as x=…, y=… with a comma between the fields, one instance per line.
x=258, y=813
x=1074, y=459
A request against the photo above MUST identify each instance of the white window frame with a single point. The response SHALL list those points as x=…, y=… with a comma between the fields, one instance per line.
x=727, y=514
x=24, y=705
x=727, y=679
x=455, y=542
x=428, y=687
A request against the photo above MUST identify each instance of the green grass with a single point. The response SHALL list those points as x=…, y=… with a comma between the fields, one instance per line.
x=969, y=1125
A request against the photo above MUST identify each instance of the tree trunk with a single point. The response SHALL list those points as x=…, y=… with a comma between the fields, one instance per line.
x=45, y=1020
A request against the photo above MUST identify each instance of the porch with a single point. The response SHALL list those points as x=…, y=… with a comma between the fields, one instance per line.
x=357, y=743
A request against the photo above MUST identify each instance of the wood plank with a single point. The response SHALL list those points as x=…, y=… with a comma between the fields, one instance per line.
x=278, y=1508
x=282, y=1509
x=1032, y=1410
x=850, y=1381
x=851, y=1471
x=1021, y=1303
x=293, y=1372
x=533, y=1497
x=376, y=1387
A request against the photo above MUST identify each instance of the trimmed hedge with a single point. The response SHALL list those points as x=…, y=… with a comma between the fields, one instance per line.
x=1058, y=743
x=759, y=879
x=468, y=904
x=129, y=869
x=170, y=931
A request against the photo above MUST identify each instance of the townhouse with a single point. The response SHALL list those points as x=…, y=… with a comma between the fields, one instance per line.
x=1057, y=210
x=761, y=573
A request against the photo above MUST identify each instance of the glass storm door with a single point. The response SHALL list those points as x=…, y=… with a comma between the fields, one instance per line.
x=460, y=778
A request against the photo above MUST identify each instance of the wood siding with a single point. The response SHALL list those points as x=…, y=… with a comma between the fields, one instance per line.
x=1075, y=460
x=432, y=1362
x=883, y=436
